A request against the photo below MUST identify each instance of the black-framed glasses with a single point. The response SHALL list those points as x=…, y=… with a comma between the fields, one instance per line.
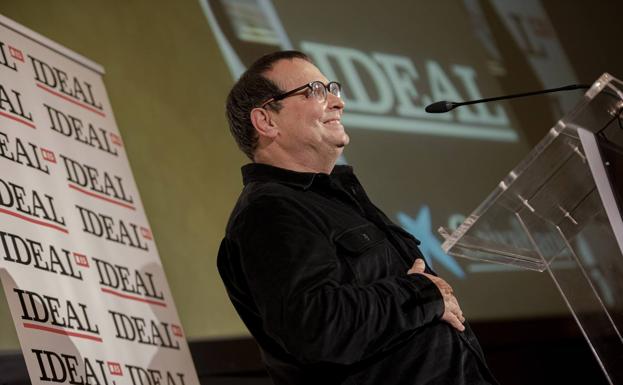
x=317, y=89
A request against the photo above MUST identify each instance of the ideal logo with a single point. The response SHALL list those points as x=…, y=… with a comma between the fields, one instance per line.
x=143, y=331
x=151, y=376
x=96, y=183
x=79, y=130
x=23, y=152
x=111, y=229
x=128, y=283
x=65, y=86
x=45, y=257
x=382, y=91
x=399, y=103
x=67, y=317
x=69, y=369
x=16, y=200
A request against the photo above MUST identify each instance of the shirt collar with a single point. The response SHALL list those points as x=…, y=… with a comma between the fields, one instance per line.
x=260, y=172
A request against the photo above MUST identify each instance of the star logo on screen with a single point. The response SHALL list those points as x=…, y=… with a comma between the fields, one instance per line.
x=420, y=227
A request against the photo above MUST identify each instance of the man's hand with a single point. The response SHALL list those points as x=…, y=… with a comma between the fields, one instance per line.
x=452, y=312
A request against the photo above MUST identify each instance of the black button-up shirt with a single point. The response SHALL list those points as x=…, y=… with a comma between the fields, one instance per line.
x=319, y=276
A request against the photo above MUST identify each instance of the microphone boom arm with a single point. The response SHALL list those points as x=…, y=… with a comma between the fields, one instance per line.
x=444, y=106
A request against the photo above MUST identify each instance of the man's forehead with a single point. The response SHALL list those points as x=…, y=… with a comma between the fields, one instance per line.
x=289, y=73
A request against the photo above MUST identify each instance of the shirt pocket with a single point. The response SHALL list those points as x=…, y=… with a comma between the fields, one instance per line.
x=365, y=249
x=409, y=242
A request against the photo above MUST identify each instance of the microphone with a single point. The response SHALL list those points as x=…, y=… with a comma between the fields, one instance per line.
x=445, y=106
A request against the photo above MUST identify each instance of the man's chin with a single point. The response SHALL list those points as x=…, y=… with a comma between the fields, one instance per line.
x=338, y=141
x=344, y=142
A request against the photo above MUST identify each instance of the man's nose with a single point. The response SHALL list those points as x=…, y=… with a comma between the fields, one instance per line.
x=334, y=102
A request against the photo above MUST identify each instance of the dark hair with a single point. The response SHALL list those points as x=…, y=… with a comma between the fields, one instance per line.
x=249, y=91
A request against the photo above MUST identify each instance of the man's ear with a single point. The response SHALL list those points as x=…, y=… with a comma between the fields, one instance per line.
x=263, y=122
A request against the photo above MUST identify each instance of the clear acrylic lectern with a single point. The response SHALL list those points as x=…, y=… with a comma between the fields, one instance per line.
x=560, y=210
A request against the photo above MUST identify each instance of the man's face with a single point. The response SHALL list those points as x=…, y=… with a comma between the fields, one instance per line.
x=309, y=130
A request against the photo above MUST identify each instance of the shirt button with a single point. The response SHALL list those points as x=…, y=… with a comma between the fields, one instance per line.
x=365, y=236
x=353, y=189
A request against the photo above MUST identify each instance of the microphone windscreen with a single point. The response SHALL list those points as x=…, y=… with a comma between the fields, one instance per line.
x=439, y=107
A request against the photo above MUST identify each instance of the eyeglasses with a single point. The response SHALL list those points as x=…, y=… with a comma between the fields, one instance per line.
x=317, y=89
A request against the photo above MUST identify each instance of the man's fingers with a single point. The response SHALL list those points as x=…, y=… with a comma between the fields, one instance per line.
x=456, y=309
x=458, y=313
x=454, y=303
x=418, y=267
x=453, y=313
x=453, y=308
x=455, y=322
x=444, y=287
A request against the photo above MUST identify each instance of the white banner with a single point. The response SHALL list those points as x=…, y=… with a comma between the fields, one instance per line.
x=79, y=267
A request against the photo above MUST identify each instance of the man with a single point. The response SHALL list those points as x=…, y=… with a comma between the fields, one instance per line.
x=331, y=289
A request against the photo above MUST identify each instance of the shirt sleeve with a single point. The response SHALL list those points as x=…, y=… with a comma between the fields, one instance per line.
x=295, y=279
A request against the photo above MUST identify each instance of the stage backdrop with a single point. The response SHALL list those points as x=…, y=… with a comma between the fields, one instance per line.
x=167, y=78
x=79, y=267
x=424, y=170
